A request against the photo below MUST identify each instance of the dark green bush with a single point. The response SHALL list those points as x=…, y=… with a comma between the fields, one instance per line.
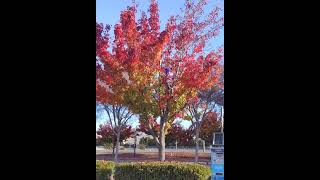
x=104, y=170
x=161, y=171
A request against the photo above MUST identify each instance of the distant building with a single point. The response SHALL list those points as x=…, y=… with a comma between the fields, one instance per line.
x=130, y=140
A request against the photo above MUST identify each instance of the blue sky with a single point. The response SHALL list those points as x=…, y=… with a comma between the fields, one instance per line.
x=108, y=11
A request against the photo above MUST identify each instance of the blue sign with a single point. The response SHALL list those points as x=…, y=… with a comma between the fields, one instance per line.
x=218, y=178
x=217, y=168
x=217, y=163
x=217, y=150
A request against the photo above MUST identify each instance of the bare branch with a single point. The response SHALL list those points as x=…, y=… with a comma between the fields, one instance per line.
x=123, y=111
x=110, y=119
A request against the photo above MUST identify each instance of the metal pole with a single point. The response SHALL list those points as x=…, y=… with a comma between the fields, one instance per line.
x=135, y=145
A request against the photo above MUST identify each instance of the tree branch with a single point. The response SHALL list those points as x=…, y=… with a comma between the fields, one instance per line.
x=153, y=134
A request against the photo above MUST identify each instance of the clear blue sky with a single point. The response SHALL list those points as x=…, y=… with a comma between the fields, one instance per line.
x=108, y=11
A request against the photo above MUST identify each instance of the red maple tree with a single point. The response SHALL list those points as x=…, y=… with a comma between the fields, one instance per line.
x=156, y=73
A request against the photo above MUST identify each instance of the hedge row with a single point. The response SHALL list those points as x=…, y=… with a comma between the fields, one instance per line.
x=104, y=169
x=155, y=171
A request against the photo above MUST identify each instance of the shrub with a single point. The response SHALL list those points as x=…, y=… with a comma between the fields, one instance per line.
x=107, y=145
x=142, y=146
x=161, y=171
x=104, y=170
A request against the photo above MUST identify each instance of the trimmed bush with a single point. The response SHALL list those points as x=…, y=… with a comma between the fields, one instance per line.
x=142, y=146
x=104, y=170
x=161, y=171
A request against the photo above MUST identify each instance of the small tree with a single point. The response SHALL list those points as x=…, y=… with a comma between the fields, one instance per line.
x=108, y=135
x=175, y=134
x=198, y=109
x=209, y=125
x=118, y=118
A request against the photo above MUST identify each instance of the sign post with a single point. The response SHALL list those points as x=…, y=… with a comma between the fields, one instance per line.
x=217, y=157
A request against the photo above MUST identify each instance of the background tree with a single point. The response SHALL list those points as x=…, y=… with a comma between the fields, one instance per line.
x=118, y=118
x=209, y=125
x=105, y=131
x=175, y=134
x=108, y=135
x=203, y=105
x=197, y=110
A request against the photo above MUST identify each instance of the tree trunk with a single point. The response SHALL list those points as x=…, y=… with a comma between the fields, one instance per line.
x=156, y=139
x=162, y=150
x=117, y=147
x=113, y=147
x=197, y=143
x=204, y=145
